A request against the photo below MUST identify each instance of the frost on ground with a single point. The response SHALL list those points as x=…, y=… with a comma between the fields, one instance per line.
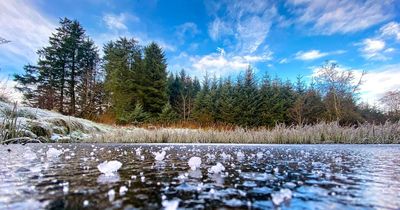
x=34, y=123
x=108, y=168
x=194, y=163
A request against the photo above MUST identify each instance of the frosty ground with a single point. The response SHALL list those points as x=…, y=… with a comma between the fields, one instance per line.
x=50, y=126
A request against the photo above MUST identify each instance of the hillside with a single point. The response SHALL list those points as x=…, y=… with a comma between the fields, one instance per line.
x=45, y=125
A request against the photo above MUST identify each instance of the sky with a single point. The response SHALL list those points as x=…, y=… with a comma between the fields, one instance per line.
x=284, y=38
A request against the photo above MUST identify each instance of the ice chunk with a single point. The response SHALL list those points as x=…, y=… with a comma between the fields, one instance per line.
x=111, y=195
x=194, y=163
x=85, y=203
x=216, y=169
x=240, y=155
x=109, y=167
x=259, y=155
x=159, y=156
x=53, y=153
x=282, y=195
x=122, y=190
x=170, y=205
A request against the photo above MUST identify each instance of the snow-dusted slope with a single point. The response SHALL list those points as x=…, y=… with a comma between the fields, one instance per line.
x=33, y=122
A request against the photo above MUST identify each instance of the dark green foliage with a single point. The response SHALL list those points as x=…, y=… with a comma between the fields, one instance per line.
x=138, y=115
x=67, y=73
x=123, y=66
x=168, y=115
x=154, y=79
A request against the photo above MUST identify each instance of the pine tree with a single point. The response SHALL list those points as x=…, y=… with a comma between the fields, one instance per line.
x=63, y=66
x=249, y=100
x=123, y=68
x=155, y=79
x=168, y=115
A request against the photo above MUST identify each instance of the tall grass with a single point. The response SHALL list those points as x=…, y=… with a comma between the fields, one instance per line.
x=387, y=133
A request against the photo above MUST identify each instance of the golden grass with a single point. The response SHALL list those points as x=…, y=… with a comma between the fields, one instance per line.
x=387, y=133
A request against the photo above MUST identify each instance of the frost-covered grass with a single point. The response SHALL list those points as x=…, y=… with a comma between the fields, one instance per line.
x=309, y=134
x=26, y=122
x=51, y=126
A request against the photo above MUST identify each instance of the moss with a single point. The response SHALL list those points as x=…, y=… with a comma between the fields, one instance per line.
x=39, y=130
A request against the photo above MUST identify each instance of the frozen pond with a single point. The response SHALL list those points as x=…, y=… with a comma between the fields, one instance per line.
x=68, y=176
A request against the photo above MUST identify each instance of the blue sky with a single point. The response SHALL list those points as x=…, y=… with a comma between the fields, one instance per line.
x=284, y=38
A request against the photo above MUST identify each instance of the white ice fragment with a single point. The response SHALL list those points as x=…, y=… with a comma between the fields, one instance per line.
x=194, y=163
x=216, y=169
x=109, y=167
x=122, y=190
x=240, y=155
x=259, y=155
x=225, y=156
x=85, y=203
x=170, y=205
x=282, y=195
x=159, y=156
x=138, y=151
x=53, y=153
x=111, y=195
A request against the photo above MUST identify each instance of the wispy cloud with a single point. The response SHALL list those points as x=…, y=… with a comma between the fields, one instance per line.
x=245, y=23
x=187, y=29
x=373, y=49
x=26, y=28
x=330, y=17
x=391, y=29
x=118, y=21
x=315, y=54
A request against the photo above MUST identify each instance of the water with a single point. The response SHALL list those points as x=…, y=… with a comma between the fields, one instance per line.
x=315, y=176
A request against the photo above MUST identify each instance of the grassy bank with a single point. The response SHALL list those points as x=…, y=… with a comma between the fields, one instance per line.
x=321, y=133
x=19, y=123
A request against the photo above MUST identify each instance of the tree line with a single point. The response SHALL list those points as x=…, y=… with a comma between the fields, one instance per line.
x=131, y=84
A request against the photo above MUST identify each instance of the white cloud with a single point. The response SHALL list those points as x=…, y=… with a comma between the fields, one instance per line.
x=315, y=54
x=378, y=81
x=391, y=29
x=373, y=49
x=7, y=88
x=329, y=17
x=26, y=28
x=375, y=82
x=118, y=22
x=219, y=63
x=245, y=22
x=310, y=55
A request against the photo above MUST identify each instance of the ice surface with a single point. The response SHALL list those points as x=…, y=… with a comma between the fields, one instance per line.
x=218, y=168
x=109, y=167
x=194, y=163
